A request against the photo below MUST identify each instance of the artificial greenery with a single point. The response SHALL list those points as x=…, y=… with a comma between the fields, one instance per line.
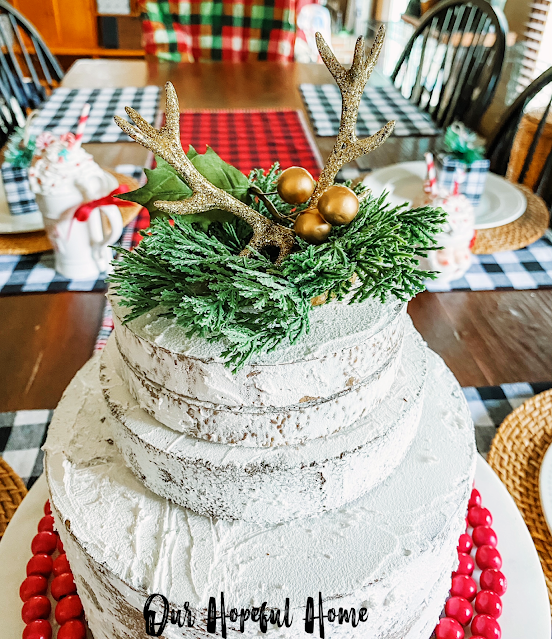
x=462, y=144
x=19, y=152
x=195, y=273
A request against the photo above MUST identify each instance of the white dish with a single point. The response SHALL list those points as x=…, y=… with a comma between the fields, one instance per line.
x=501, y=202
x=526, y=608
x=545, y=486
x=20, y=223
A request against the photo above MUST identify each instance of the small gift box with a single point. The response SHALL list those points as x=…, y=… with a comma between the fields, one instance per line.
x=462, y=153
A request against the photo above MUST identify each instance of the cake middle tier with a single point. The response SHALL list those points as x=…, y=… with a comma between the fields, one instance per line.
x=330, y=378
x=272, y=484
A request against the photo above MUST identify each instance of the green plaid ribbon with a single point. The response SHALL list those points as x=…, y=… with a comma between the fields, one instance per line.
x=219, y=30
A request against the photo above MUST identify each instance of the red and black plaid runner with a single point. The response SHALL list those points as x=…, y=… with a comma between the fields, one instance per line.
x=252, y=139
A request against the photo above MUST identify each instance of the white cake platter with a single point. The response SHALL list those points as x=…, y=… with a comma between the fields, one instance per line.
x=501, y=202
x=545, y=486
x=526, y=608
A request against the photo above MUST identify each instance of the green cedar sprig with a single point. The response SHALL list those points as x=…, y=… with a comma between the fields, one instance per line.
x=195, y=274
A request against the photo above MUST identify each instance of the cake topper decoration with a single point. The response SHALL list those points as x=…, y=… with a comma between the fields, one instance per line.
x=313, y=227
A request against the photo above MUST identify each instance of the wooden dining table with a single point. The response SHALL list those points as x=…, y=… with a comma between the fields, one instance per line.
x=486, y=337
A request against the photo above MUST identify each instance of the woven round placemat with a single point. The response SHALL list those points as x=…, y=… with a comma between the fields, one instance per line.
x=37, y=242
x=12, y=491
x=518, y=234
x=516, y=456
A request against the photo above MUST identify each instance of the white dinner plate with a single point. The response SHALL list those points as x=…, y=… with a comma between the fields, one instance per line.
x=501, y=202
x=545, y=486
x=20, y=223
x=526, y=611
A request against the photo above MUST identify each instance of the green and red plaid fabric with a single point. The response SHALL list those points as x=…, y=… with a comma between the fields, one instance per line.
x=234, y=30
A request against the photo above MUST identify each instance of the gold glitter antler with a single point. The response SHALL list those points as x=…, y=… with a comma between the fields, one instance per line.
x=165, y=143
x=351, y=83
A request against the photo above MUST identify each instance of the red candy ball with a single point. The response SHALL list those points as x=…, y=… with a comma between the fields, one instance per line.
x=41, y=564
x=486, y=626
x=460, y=609
x=36, y=608
x=74, y=629
x=484, y=536
x=46, y=524
x=44, y=542
x=465, y=543
x=38, y=629
x=68, y=608
x=494, y=581
x=478, y=516
x=32, y=586
x=449, y=629
x=466, y=565
x=488, y=557
x=463, y=586
x=47, y=508
x=61, y=565
x=63, y=585
x=475, y=498
x=488, y=603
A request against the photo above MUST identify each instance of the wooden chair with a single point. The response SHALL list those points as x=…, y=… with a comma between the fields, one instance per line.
x=229, y=30
x=521, y=145
x=28, y=70
x=451, y=64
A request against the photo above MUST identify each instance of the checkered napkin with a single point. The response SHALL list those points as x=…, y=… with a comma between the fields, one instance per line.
x=23, y=433
x=249, y=139
x=20, y=198
x=377, y=107
x=527, y=268
x=61, y=111
x=36, y=273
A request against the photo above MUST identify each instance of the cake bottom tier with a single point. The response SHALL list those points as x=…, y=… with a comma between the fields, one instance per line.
x=390, y=552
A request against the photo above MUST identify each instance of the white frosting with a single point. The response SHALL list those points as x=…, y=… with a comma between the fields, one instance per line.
x=271, y=484
x=391, y=551
x=345, y=364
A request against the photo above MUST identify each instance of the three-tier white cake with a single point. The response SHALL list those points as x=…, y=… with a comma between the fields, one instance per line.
x=341, y=465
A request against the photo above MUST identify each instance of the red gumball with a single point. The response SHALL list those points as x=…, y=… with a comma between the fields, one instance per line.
x=465, y=543
x=33, y=585
x=36, y=608
x=68, y=608
x=46, y=524
x=484, y=536
x=38, y=629
x=460, y=609
x=488, y=557
x=61, y=565
x=486, y=626
x=488, y=603
x=47, y=508
x=493, y=580
x=475, y=498
x=40, y=564
x=63, y=585
x=73, y=629
x=463, y=586
x=466, y=565
x=44, y=542
x=449, y=629
x=478, y=516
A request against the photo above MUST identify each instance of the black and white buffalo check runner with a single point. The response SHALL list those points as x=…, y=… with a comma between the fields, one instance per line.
x=61, y=112
x=527, y=268
x=22, y=433
x=377, y=106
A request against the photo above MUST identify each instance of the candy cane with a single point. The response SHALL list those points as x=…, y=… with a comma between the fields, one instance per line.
x=431, y=173
x=459, y=178
x=82, y=124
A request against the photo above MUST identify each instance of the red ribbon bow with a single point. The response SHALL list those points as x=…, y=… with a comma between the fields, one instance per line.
x=84, y=210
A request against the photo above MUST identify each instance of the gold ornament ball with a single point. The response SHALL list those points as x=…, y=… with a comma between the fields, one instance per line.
x=295, y=185
x=312, y=227
x=338, y=205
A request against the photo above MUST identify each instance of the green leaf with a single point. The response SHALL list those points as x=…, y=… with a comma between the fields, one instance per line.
x=222, y=174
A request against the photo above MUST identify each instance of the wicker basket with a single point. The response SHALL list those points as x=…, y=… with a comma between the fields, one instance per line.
x=522, y=143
